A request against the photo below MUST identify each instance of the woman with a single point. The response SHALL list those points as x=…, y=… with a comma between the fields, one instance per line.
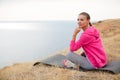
x=90, y=41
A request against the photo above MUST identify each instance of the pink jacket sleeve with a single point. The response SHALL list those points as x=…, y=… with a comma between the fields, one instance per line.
x=83, y=40
x=74, y=45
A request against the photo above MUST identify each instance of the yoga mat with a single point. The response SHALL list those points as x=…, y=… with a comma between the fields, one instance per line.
x=56, y=60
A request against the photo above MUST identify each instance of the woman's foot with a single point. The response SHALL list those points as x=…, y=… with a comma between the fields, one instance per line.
x=69, y=64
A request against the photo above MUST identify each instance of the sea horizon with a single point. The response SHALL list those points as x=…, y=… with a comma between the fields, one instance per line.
x=32, y=40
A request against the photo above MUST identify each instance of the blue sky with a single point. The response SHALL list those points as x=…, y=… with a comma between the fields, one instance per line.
x=32, y=10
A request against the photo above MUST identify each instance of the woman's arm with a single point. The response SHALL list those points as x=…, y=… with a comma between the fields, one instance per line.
x=73, y=44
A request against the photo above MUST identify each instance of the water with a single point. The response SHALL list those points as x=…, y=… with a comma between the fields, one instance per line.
x=27, y=41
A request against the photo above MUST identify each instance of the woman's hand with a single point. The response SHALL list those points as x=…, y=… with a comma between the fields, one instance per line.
x=76, y=31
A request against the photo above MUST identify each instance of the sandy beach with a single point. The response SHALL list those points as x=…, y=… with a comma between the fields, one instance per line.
x=110, y=33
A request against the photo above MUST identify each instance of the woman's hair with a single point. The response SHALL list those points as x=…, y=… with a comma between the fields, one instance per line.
x=87, y=16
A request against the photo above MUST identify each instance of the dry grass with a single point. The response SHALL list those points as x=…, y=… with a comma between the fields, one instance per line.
x=42, y=72
x=110, y=33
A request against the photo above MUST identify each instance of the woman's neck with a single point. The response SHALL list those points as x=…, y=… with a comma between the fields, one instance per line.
x=84, y=28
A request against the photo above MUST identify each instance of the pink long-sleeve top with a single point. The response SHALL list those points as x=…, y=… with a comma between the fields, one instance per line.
x=91, y=43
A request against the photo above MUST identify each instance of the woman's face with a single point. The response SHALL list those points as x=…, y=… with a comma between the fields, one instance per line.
x=82, y=21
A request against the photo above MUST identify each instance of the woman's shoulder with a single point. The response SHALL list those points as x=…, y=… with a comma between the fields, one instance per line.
x=91, y=31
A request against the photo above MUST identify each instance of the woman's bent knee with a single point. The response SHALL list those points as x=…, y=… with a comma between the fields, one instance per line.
x=69, y=55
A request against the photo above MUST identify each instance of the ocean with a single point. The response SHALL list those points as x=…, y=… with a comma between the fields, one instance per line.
x=22, y=41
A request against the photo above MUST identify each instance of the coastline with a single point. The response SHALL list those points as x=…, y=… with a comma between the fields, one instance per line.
x=110, y=33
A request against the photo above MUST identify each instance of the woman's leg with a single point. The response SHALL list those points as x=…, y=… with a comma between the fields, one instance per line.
x=79, y=60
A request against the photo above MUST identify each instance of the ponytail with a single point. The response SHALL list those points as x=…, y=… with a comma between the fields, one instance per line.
x=90, y=24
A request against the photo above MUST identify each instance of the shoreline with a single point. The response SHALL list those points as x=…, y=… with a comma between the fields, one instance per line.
x=110, y=33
